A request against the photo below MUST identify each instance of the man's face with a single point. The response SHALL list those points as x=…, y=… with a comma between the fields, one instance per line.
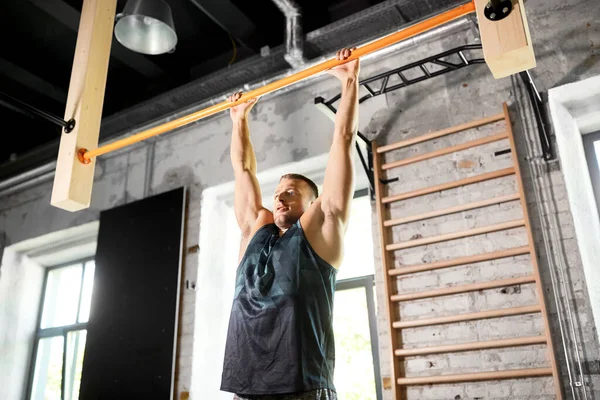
x=291, y=199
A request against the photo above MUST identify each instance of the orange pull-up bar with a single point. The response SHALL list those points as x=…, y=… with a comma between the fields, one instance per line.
x=86, y=155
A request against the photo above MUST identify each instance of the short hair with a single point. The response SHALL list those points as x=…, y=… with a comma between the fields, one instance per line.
x=299, y=177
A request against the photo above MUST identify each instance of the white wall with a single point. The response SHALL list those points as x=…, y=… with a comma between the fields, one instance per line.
x=21, y=283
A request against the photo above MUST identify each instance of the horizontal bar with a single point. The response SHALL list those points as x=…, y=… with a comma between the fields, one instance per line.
x=449, y=185
x=411, y=269
x=453, y=210
x=489, y=344
x=444, y=151
x=443, y=132
x=472, y=287
x=503, y=312
x=456, y=235
x=476, y=376
x=321, y=67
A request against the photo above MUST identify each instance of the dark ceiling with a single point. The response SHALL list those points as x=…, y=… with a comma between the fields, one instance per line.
x=39, y=42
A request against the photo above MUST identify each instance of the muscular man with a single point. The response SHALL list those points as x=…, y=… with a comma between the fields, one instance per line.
x=280, y=340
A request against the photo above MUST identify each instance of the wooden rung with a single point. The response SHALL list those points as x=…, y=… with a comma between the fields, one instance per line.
x=455, y=235
x=444, y=151
x=443, y=132
x=449, y=185
x=411, y=269
x=476, y=376
x=503, y=312
x=463, y=288
x=490, y=344
x=453, y=210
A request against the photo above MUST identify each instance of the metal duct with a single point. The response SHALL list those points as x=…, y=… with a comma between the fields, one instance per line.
x=294, y=37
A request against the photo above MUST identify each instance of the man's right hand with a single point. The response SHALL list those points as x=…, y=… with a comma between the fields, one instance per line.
x=240, y=111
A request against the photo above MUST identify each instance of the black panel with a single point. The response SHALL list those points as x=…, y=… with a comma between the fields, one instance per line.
x=132, y=329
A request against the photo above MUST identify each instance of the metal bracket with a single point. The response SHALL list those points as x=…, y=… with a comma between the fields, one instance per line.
x=380, y=84
x=540, y=116
x=496, y=10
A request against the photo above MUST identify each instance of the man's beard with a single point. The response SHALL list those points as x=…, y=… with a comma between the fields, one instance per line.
x=286, y=220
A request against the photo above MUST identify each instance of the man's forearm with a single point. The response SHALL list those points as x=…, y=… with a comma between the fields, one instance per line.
x=242, y=152
x=346, y=118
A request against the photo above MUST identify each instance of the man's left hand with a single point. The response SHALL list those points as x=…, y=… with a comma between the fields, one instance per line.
x=348, y=70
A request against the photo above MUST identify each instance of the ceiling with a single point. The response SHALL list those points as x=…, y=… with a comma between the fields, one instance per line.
x=213, y=36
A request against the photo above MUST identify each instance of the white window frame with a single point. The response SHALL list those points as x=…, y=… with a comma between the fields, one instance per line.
x=575, y=111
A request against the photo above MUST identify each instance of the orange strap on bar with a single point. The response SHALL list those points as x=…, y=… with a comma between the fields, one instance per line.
x=361, y=51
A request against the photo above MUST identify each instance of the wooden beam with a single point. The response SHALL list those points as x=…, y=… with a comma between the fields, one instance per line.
x=440, y=133
x=476, y=376
x=454, y=262
x=388, y=263
x=449, y=185
x=73, y=179
x=451, y=319
x=455, y=235
x=489, y=344
x=444, y=151
x=453, y=210
x=507, y=46
x=472, y=287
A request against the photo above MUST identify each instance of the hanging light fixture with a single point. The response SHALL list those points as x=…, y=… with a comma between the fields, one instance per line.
x=146, y=26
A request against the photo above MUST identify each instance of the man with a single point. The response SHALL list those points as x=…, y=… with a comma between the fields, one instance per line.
x=280, y=340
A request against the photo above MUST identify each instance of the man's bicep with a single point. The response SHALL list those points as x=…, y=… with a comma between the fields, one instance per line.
x=338, y=185
x=247, y=200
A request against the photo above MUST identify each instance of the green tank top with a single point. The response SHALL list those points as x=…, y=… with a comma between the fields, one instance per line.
x=280, y=335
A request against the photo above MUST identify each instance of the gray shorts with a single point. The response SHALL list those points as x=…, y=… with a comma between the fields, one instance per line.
x=319, y=394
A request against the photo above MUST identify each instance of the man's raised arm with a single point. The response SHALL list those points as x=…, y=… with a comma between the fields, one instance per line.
x=249, y=211
x=338, y=185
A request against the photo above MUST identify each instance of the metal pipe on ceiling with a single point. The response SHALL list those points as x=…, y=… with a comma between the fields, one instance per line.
x=40, y=175
x=294, y=36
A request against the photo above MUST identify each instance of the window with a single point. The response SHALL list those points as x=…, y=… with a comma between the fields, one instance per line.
x=591, y=144
x=61, y=334
x=357, y=375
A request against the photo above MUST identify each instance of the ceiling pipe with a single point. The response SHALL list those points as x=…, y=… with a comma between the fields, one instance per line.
x=39, y=175
x=294, y=37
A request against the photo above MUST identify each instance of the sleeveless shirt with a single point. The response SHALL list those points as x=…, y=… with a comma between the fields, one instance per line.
x=280, y=335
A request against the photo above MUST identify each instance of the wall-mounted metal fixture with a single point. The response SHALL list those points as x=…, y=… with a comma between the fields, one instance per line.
x=496, y=10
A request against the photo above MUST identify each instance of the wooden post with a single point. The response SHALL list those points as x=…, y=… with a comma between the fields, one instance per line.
x=73, y=180
x=507, y=46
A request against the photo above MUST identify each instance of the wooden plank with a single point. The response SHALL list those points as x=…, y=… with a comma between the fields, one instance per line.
x=534, y=260
x=73, y=180
x=446, y=150
x=489, y=344
x=411, y=269
x=456, y=235
x=472, y=287
x=507, y=46
x=449, y=185
x=440, y=133
x=476, y=376
x=453, y=210
x=388, y=263
x=503, y=312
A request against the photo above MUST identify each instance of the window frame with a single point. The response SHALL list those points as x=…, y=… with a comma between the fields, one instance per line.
x=59, y=330
x=593, y=163
x=368, y=283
